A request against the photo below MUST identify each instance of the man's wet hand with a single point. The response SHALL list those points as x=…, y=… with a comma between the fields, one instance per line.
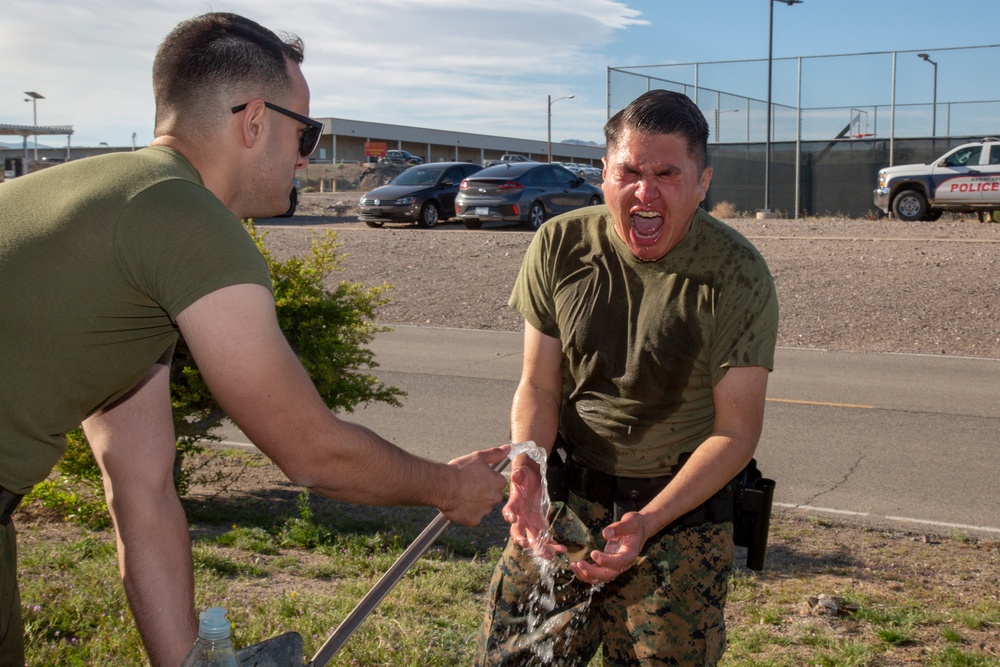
x=528, y=528
x=625, y=541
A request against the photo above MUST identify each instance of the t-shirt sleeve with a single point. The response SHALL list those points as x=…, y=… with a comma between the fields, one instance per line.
x=177, y=243
x=746, y=327
x=532, y=295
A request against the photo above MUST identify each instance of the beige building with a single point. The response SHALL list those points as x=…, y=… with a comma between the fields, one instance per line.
x=344, y=140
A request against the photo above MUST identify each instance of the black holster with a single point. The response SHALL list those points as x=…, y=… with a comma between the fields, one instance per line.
x=752, y=513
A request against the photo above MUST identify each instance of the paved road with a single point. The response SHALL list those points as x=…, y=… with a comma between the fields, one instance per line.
x=904, y=440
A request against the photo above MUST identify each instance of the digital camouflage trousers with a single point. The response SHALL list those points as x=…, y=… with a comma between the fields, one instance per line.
x=666, y=610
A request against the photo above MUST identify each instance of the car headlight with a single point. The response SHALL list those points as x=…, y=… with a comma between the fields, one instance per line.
x=405, y=201
x=881, y=179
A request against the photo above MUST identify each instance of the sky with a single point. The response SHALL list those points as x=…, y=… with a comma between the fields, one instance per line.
x=483, y=66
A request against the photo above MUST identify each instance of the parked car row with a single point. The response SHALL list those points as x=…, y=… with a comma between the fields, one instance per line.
x=582, y=169
x=525, y=192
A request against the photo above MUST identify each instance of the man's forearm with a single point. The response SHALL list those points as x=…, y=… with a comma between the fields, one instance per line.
x=710, y=467
x=154, y=556
x=365, y=468
x=534, y=415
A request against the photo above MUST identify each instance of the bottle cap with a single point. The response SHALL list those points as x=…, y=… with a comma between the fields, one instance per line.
x=213, y=624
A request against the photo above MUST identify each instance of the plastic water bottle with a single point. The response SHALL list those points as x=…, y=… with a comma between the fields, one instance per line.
x=214, y=648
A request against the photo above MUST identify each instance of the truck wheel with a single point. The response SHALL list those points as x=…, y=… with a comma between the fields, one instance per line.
x=909, y=205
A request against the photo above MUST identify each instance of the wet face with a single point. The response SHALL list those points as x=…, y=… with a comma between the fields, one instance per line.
x=653, y=188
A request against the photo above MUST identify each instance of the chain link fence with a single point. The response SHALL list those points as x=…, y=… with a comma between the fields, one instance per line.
x=835, y=121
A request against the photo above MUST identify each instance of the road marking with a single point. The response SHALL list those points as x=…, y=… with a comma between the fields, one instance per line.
x=944, y=524
x=867, y=239
x=823, y=403
x=901, y=519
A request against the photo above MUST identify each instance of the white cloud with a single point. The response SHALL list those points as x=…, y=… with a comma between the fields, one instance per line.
x=479, y=67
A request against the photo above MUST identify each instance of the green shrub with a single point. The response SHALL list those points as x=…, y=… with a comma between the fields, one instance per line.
x=329, y=330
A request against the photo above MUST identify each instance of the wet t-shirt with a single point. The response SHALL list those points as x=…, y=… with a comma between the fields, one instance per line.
x=644, y=343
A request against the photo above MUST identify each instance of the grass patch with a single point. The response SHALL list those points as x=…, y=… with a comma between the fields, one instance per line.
x=282, y=560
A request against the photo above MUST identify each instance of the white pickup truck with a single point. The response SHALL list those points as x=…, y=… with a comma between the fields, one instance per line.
x=965, y=179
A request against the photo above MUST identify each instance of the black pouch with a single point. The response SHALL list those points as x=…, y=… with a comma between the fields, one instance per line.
x=752, y=514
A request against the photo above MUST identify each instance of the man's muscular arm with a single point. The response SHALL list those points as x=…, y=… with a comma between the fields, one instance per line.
x=133, y=442
x=253, y=373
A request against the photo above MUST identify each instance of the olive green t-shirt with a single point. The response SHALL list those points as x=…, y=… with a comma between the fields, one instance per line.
x=97, y=259
x=644, y=343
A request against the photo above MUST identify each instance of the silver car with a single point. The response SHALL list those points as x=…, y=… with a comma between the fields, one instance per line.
x=528, y=192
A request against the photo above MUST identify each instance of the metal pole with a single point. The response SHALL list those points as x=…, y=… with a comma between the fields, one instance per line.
x=34, y=108
x=798, y=142
x=770, y=43
x=924, y=56
x=549, y=150
x=934, y=105
x=34, y=97
x=551, y=102
x=767, y=145
x=892, y=114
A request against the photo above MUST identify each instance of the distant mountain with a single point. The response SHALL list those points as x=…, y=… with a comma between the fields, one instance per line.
x=580, y=142
x=31, y=144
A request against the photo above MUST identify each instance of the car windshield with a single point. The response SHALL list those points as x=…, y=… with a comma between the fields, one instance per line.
x=422, y=176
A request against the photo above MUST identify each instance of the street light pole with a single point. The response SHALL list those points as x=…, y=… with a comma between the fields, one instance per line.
x=934, y=98
x=551, y=102
x=770, y=44
x=33, y=98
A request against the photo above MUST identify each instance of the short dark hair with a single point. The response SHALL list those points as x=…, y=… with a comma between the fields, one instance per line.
x=219, y=51
x=662, y=112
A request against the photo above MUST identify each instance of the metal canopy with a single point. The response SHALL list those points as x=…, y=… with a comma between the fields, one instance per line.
x=25, y=131
x=31, y=130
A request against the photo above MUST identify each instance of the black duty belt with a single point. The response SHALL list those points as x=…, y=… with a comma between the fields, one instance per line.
x=630, y=494
x=8, y=503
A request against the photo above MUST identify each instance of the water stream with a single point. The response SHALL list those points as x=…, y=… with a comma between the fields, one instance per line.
x=543, y=629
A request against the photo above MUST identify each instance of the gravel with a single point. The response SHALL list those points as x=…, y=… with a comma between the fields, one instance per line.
x=843, y=284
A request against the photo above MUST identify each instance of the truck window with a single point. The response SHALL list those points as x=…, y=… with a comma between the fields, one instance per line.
x=965, y=157
x=995, y=154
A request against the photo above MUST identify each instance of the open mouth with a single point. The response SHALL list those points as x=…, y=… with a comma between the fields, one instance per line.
x=646, y=227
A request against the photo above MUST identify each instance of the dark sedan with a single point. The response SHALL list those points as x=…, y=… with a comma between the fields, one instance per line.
x=527, y=192
x=423, y=194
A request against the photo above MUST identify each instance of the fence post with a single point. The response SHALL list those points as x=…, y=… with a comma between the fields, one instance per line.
x=798, y=141
x=892, y=115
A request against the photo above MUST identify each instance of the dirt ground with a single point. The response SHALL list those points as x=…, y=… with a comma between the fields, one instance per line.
x=843, y=284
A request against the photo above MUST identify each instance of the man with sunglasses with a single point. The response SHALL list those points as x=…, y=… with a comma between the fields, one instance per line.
x=104, y=261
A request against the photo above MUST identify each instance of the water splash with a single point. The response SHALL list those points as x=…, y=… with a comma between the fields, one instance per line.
x=543, y=628
x=539, y=456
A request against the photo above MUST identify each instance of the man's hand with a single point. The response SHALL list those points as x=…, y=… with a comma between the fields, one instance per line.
x=478, y=487
x=523, y=510
x=625, y=540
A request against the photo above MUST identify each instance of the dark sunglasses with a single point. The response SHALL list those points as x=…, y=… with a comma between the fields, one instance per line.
x=310, y=136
